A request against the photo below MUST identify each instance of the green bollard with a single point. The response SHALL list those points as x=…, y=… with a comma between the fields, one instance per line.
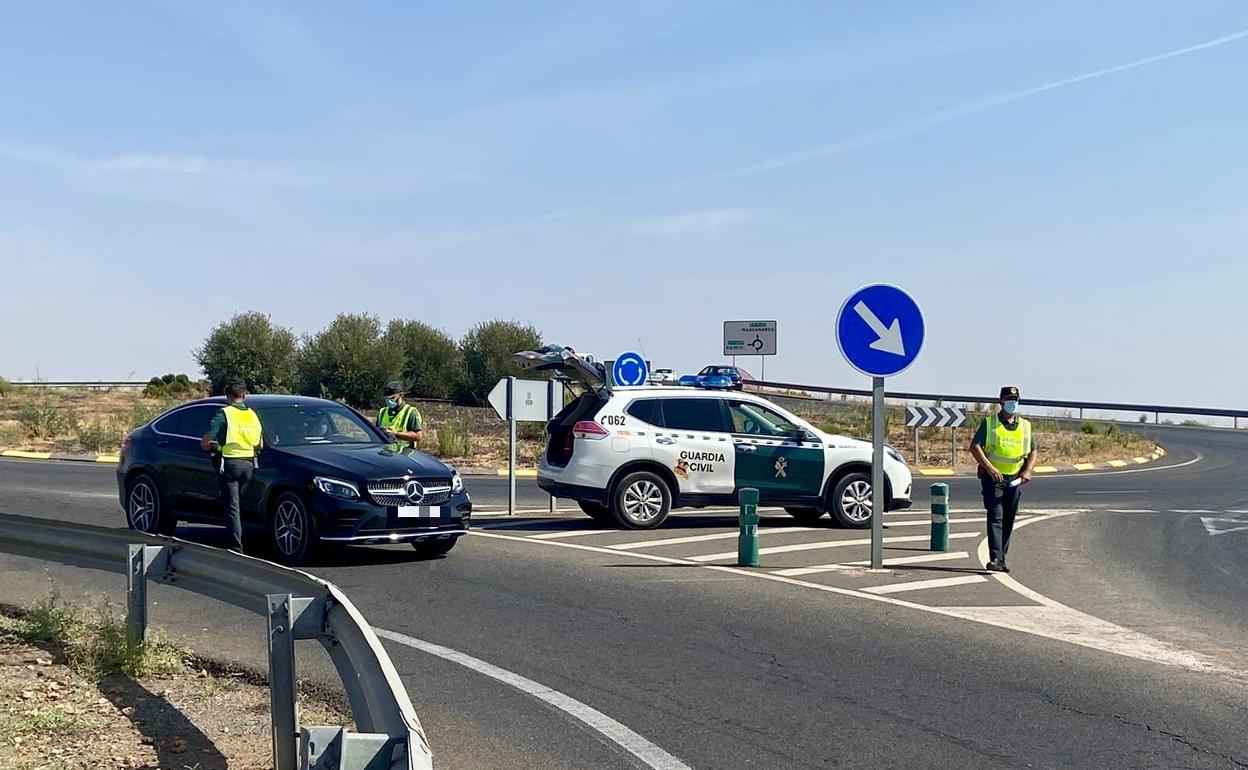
x=747, y=538
x=940, y=517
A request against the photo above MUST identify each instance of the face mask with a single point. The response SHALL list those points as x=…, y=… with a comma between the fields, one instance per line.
x=1011, y=407
x=392, y=403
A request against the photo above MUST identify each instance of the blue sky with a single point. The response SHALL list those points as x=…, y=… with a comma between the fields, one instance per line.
x=635, y=173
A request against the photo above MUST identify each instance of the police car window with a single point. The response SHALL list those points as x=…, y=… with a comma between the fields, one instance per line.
x=648, y=410
x=755, y=419
x=693, y=414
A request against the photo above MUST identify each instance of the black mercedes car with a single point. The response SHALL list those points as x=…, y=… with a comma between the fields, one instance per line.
x=326, y=475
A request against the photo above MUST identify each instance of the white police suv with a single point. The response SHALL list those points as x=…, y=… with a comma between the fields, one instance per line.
x=629, y=455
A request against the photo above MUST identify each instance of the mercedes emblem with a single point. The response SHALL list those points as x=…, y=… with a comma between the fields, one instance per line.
x=415, y=491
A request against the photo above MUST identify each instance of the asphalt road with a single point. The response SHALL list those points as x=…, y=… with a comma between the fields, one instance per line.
x=728, y=668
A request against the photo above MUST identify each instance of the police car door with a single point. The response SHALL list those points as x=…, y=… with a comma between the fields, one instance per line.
x=695, y=444
x=783, y=461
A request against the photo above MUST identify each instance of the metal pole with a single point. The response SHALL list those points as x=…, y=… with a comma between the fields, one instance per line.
x=136, y=596
x=916, y=446
x=877, y=473
x=747, y=535
x=282, y=703
x=762, y=362
x=550, y=415
x=953, y=446
x=511, y=448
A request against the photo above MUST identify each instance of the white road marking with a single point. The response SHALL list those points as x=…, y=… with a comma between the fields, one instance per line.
x=827, y=544
x=650, y=754
x=704, y=538
x=1212, y=525
x=1235, y=511
x=1117, y=492
x=572, y=533
x=856, y=566
x=927, y=522
x=1129, y=510
x=1056, y=622
x=1189, y=510
x=921, y=585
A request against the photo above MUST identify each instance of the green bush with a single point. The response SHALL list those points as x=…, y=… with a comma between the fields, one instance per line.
x=251, y=348
x=1089, y=427
x=175, y=386
x=6, y=387
x=46, y=416
x=432, y=365
x=531, y=431
x=1142, y=418
x=100, y=435
x=487, y=349
x=454, y=438
x=349, y=361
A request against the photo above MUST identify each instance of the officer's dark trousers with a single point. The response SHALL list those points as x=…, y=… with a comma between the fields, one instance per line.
x=1001, y=502
x=234, y=477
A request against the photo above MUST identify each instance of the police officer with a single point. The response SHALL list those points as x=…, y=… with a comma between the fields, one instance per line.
x=1005, y=448
x=236, y=434
x=400, y=421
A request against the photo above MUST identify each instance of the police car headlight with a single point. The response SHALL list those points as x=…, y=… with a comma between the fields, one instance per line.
x=457, y=484
x=336, y=488
x=893, y=453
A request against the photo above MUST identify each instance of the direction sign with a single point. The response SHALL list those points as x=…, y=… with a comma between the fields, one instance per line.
x=749, y=338
x=880, y=330
x=935, y=417
x=531, y=400
x=629, y=369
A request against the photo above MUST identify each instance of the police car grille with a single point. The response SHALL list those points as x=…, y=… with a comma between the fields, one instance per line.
x=390, y=491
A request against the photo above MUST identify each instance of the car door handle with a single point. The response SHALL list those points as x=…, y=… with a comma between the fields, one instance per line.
x=665, y=441
x=162, y=444
x=746, y=448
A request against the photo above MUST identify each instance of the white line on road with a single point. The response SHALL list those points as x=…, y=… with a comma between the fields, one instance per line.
x=647, y=752
x=1216, y=526
x=1129, y=510
x=572, y=533
x=921, y=585
x=1189, y=510
x=1117, y=492
x=704, y=538
x=856, y=566
x=826, y=544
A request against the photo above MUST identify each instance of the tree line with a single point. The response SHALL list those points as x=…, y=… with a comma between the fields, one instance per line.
x=355, y=356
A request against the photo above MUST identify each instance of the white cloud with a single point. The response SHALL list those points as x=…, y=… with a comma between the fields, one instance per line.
x=711, y=222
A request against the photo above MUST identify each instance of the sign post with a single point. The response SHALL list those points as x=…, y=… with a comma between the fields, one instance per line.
x=523, y=401
x=880, y=331
x=750, y=338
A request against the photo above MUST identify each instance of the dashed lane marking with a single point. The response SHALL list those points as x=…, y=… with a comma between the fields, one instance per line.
x=856, y=566
x=650, y=754
x=827, y=544
x=921, y=585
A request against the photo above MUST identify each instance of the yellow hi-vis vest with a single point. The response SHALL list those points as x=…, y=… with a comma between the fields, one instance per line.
x=1007, y=449
x=242, y=432
x=396, y=423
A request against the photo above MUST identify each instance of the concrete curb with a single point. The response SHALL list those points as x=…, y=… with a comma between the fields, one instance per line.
x=25, y=455
x=1157, y=454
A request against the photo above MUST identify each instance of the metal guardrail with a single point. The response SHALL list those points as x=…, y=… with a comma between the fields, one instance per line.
x=80, y=384
x=297, y=606
x=1106, y=406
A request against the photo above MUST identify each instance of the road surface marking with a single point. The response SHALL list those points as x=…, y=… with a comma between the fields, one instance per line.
x=826, y=544
x=1058, y=622
x=1212, y=525
x=927, y=521
x=704, y=538
x=921, y=585
x=855, y=566
x=1129, y=510
x=1117, y=492
x=650, y=754
x=572, y=533
x=1235, y=511
x=1189, y=510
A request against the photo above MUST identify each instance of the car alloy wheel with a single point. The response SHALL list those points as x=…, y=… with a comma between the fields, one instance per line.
x=290, y=527
x=856, y=501
x=143, y=506
x=643, y=500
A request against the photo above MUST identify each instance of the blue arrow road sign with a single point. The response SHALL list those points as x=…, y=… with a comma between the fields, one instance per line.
x=880, y=330
x=630, y=369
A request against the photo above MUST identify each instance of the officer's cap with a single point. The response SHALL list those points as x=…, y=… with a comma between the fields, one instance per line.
x=1009, y=392
x=393, y=387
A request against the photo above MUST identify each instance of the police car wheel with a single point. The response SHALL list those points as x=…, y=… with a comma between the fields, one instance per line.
x=851, y=501
x=641, y=501
x=805, y=515
x=596, y=511
x=145, y=509
x=292, y=534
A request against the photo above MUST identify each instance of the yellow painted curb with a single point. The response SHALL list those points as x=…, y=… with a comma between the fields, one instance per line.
x=26, y=455
x=1117, y=463
x=520, y=474
x=1085, y=466
x=935, y=472
x=1045, y=469
x=108, y=458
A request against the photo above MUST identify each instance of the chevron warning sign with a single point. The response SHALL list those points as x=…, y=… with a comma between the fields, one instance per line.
x=935, y=417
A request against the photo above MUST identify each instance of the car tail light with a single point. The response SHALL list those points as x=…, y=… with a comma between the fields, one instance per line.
x=125, y=445
x=587, y=429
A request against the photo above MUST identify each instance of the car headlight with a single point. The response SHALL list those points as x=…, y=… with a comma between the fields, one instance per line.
x=336, y=488
x=457, y=484
x=893, y=453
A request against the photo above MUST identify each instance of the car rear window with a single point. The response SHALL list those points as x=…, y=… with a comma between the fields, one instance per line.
x=702, y=414
x=648, y=410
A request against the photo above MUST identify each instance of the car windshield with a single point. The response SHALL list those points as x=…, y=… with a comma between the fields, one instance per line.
x=306, y=425
x=721, y=371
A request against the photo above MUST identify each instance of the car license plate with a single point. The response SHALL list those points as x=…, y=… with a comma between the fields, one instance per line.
x=419, y=512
